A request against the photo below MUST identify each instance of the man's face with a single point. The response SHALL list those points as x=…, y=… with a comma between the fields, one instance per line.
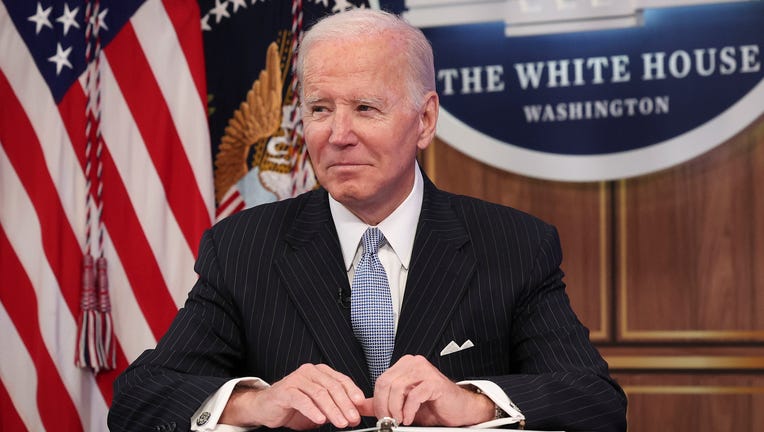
x=361, y=129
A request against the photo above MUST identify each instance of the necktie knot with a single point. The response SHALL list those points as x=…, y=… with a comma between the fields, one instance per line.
x=372, y=240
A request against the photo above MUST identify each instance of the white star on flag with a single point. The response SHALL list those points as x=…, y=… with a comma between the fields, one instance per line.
x=61, y=58
x=101, y=19
x=68, y=18
x=40, y=18
x=237, y=4
x=220, y=11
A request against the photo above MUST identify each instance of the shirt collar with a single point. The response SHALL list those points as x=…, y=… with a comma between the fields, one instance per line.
x=398, y=228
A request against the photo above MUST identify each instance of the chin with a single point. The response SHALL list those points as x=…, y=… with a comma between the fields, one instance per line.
x=344, y=196
x=347, y=194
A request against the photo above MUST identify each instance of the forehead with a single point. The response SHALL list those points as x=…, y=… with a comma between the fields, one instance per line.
x=375, y=58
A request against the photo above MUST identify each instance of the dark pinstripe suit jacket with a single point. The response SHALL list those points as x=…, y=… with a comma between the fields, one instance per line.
x=267, y=302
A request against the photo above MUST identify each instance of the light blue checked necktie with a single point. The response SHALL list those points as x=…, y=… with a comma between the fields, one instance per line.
x=371, y=307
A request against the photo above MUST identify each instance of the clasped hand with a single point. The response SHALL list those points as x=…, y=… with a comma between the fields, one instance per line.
x=412, y=391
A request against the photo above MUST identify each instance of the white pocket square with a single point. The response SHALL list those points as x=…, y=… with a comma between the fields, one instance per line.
x=452, y=347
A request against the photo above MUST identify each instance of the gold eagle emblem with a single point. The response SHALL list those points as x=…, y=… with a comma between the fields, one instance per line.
x=258, y=118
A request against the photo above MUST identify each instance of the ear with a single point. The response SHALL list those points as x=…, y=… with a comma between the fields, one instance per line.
x=428, y=120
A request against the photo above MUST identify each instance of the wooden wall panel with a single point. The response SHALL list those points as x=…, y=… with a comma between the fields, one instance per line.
x=580, y=211
x=696, y=358
x=689, y=247
x=699, y=403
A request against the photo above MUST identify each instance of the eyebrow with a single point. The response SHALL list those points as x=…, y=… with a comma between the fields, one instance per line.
x=369, y=101
x=373, y=101
x=309, y=100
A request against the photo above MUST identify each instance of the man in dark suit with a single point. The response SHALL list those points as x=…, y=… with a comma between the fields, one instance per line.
x=477, y=326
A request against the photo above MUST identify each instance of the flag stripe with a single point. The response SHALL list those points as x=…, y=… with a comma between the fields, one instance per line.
x=17, y=372
x=178, y=84
x=53, y=400
x=130, y=327
x=185, y=21
x=61, y=247
x=10, y=419
x=231, y=203
x=145, y=100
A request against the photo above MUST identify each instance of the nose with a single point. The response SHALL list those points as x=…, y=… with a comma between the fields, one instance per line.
x=342, y=129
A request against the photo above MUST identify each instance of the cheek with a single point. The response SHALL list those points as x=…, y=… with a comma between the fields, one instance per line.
x=314, y=140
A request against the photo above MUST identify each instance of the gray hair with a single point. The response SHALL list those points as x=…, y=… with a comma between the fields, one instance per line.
x=357, y=23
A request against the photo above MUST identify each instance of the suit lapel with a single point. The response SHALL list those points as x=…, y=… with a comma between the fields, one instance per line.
x=439, y=273
x=314, y=275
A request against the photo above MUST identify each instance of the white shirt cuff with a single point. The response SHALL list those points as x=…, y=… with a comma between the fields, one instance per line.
x=497, y=395
x=205, y=419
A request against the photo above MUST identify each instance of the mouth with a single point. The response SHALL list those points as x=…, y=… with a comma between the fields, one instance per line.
x=347, y=164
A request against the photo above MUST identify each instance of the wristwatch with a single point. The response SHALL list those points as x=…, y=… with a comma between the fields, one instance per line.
x=498, y=412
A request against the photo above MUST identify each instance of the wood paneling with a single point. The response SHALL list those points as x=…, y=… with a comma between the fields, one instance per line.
x=689, y=358
x=698, y=403
x=689, y=241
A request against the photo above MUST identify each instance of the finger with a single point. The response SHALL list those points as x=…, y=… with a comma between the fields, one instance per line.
x=366, y=407
x=351, y=389
x=300, y=391
x=330, y=390
x=325, y=396
x=416, y=397
x=343, y=391
x=398, y=394
x=406, y=374
x=392, y=387
x=298, y=401
x=382, y=395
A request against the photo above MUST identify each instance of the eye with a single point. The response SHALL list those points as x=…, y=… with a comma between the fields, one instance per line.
x=365, y=108
x=317, y=111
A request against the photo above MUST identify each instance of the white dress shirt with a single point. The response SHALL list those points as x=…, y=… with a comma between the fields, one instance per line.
x=399, y=229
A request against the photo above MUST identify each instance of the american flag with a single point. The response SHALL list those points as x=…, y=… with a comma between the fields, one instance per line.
x=146, y=98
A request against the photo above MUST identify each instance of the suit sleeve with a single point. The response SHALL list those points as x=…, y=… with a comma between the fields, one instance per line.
x=163, y=388
x=561, y=380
